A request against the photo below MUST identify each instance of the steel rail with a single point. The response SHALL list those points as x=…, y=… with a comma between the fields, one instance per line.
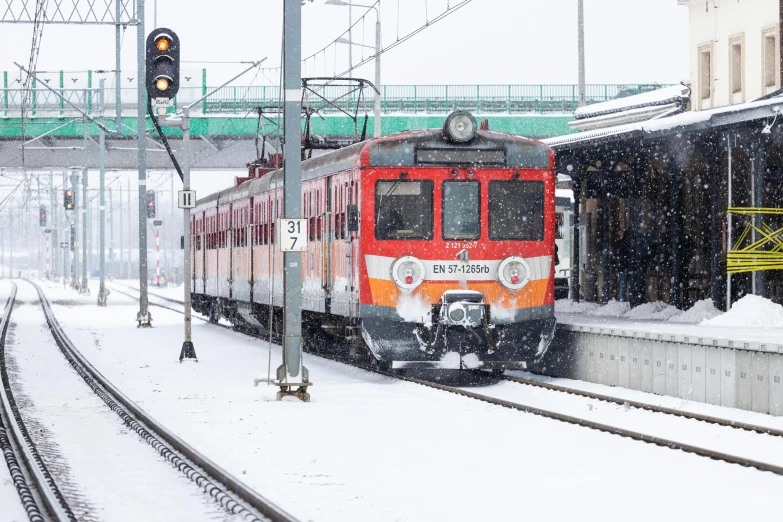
x=213, y=480
x=570, y=419
x=14, y=438
x=648, y=407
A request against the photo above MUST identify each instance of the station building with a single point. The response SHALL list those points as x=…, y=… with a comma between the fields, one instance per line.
x=654, y=175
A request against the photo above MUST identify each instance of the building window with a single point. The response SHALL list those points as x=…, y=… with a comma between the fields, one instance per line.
x=736, y=65
x=705, y=76
x=770, y=63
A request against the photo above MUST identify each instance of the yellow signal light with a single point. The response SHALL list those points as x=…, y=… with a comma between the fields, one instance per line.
x=162, y=44
x=162, y=84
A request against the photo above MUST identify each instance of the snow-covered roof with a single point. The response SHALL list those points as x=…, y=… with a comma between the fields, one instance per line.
x=687, y=121
x=629, y=116
x=676, y=94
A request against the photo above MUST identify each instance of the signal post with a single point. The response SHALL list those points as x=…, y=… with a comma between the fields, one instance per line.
x=162, y=83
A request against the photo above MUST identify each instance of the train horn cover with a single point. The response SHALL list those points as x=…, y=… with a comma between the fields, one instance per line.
x=162, y=63
x=460, y=127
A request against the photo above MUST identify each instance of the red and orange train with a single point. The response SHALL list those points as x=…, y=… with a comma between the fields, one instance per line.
x=430, y=249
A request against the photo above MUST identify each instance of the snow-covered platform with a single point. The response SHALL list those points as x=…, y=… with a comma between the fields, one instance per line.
x=733, y=359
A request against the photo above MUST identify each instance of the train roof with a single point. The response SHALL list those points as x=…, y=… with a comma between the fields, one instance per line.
x=405, y=149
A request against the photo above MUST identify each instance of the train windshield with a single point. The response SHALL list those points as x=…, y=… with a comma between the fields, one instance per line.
x=516, y=210
x=403, y=209
x=461, y=210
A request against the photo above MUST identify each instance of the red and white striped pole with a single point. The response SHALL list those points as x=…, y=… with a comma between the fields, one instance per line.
x=157, y=261
x=48, y=268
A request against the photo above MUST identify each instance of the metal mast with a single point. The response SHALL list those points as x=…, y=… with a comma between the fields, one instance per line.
x=582, y=86
x=102, y=201
x=143, y=316
x=292, y=368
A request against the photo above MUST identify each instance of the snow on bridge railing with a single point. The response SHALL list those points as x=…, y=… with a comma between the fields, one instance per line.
x=395, y=99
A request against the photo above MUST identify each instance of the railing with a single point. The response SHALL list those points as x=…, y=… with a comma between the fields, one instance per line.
x=395, y=99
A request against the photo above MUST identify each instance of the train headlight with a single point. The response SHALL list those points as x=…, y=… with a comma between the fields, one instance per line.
x=407, y=272
x=514, y=272
x=456, y=313
x=460, y=127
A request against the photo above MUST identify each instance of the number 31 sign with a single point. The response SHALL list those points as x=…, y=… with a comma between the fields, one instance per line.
x=293, y=235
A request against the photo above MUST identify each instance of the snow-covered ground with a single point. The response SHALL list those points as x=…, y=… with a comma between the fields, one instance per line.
x=370, y=447
x=168, y=291
x=105, y=471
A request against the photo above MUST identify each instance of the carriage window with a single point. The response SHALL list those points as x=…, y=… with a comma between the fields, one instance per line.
x=516, y=210
x=461, y=210
x=403, y=209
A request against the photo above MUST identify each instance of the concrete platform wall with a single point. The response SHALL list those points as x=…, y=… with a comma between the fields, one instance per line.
x=747, y=376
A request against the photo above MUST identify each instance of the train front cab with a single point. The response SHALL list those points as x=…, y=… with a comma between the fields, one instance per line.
x=458, y=260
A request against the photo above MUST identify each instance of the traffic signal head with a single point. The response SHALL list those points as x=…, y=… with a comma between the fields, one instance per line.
x=162, y=63
x=68, y=199
x=150, y=204
x=42, y=215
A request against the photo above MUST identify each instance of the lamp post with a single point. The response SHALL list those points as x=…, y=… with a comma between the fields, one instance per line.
x=351, y=43
x=581, y=39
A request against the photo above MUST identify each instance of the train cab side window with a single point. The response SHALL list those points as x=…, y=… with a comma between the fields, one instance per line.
x=516, y=210
x=403, y=209
x=461, y=210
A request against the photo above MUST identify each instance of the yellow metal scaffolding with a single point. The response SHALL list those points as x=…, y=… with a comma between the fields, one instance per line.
x=764, y=253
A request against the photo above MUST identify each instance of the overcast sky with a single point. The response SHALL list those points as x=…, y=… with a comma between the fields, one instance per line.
x=485, y=42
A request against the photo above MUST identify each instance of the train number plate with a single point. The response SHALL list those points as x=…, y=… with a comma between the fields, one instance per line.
x=293, y=235
x=461, y=268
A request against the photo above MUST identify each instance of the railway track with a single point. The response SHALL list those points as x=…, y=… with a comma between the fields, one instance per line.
x=571, y=419
x=39, y=490
x=39, y=495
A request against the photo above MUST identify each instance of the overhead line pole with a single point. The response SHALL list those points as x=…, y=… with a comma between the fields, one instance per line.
x=582, y=85
x=53, y=243
x=120, y=272
x=143, y=316
x=66, y=231
x=74, y=239
x=84, y=287
x=130, y=228
x=102, y=201
x=117, y=74
x=292, y=367
x=111, y=230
